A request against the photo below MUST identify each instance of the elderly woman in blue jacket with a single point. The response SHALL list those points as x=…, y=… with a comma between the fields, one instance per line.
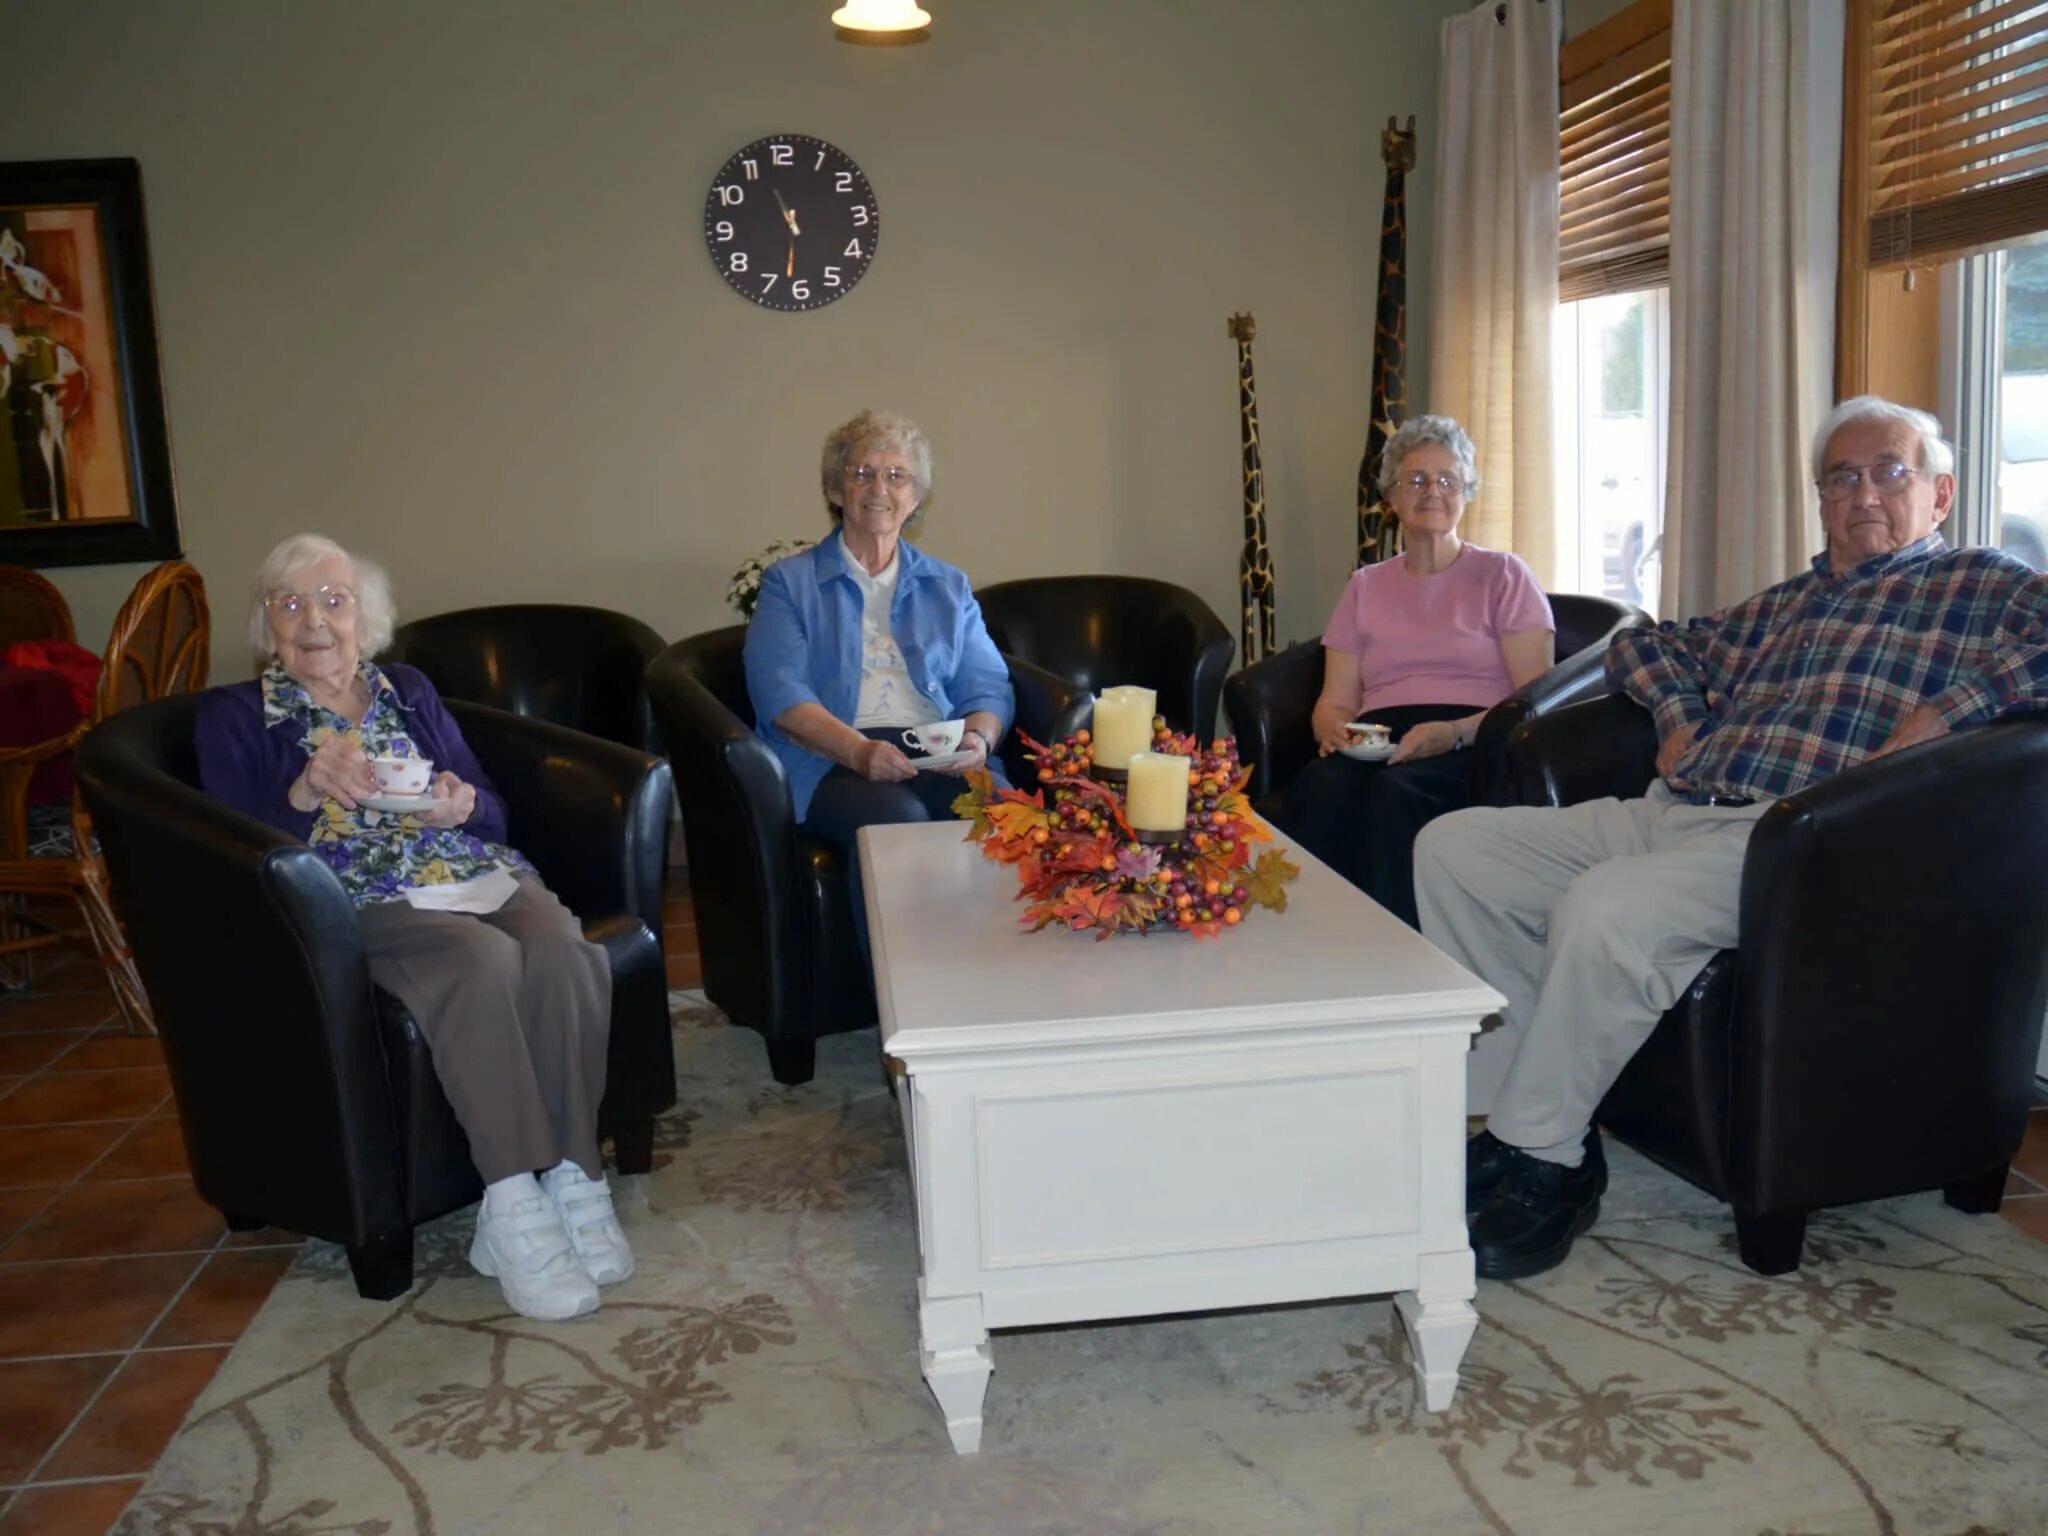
x=863, y=638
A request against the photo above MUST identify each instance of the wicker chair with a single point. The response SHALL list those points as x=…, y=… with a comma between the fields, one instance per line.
x=159, y=645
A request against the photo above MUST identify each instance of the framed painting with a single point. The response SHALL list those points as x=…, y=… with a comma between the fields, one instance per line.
x=85, y=451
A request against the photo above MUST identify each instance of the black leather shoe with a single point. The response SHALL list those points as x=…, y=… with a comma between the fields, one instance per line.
x=1488, y=1159
x=1535, y=1213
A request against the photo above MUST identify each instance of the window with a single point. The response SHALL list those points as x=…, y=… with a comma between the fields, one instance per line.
x=2020, y=508
x=1610, y=382
x=1612, y=333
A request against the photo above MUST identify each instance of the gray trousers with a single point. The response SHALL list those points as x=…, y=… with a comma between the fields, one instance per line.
x=516, y=1009
x=1591, y=920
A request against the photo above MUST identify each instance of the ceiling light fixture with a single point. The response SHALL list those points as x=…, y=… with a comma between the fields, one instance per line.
x=882, y=21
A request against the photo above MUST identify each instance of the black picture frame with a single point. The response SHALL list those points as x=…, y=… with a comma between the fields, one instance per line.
x=113, y=320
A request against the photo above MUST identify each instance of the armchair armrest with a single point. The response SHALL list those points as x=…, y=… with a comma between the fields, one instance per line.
x=1575, y=680
x=1048, y=707
x=1605, y=746
x=591, y=814
x=740, y=827
x=1271, y=704
x=253, y=961
x=1849, y=888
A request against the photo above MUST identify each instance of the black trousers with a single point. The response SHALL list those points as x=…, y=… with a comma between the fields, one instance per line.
x=844, y=802
x=1361, y=819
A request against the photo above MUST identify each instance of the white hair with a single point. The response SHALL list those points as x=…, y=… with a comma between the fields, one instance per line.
x=373, y=592
x=1419, y=431
x=1936, y=456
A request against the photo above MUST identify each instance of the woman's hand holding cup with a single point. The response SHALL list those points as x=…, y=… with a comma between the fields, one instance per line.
x=337, y=770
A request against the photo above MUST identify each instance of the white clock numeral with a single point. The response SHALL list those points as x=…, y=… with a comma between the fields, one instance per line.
x=724, y=229
x=728, y=196
x=738, y=262
x=843, y=182
x=752, y=168
x=800, y=289
x=831, y=277
x=860, y=215
x=781, y=154
x=819, y=163
x=767, y=281
x=852, y=248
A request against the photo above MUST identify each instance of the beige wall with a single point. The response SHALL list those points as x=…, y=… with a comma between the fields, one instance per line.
x=430, y=277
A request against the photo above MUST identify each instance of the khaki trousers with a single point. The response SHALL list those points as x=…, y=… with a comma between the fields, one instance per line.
x=1591, y=920
x=516, y=1007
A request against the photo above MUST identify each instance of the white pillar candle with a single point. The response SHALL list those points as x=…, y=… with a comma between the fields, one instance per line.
x=1156, y=799
x=1123, y=725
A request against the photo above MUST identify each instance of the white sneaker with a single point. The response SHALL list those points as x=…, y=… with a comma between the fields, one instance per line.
x=585, y=1205
x=522, y=1246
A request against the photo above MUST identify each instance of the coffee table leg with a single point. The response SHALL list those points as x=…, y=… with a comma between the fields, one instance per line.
x=953, y=1346
x=1438, y=1331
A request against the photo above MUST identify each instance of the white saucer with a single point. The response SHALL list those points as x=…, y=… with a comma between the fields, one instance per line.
x=942, y=760
x=1368, y=752
x=397, y=802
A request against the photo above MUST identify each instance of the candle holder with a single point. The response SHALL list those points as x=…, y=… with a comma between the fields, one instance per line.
x=1158, y=839
x=1115, y=778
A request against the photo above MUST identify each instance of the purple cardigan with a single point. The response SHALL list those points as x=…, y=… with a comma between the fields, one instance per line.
x=252, y=768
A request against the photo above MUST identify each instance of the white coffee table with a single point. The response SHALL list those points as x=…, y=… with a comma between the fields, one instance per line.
x=1163, y=1124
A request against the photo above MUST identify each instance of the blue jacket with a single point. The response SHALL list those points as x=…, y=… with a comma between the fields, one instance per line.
x=804, y=646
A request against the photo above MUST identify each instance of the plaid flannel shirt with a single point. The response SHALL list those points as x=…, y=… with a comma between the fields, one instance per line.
x=1809, y=677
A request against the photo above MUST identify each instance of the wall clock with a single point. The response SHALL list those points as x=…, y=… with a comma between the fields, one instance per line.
x=791, y=222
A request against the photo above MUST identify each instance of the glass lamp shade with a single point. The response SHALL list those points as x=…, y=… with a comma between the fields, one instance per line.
x=881, y=16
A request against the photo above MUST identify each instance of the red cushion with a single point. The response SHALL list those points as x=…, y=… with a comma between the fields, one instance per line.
x=36, y=704
x=79, y=668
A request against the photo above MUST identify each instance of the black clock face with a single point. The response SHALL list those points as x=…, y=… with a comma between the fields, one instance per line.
x=791, y=222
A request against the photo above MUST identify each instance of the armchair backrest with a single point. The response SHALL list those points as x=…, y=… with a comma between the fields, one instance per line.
x=580, y=667
x=1101, y=631
x=1584, y=621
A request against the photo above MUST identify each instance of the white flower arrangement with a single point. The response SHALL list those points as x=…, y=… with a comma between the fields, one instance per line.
x=745, y=590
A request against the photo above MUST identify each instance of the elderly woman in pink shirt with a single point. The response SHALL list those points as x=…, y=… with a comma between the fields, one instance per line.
x=1423, y=644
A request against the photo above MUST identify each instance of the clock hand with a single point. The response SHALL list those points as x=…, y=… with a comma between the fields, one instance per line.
x=788, y=214
x=790, y=270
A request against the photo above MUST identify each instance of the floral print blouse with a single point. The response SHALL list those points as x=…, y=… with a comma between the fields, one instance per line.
x=377, y=855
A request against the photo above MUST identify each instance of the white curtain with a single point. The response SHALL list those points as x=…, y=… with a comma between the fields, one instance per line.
x=1755, y=164
x=1493, y=281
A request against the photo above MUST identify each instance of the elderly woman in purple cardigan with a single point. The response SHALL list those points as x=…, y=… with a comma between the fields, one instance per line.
x=514, y=1002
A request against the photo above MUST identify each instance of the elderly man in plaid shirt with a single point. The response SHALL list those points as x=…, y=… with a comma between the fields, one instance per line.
x=1592, y=919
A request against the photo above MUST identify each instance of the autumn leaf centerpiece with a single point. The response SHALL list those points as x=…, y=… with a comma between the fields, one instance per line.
x=1081, y=865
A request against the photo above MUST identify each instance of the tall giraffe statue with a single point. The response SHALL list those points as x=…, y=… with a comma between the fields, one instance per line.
x=1379, y=535
x=1255, y=561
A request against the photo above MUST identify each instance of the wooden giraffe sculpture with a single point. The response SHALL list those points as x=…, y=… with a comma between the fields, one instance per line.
x=1379, y=535
x=1255, y=562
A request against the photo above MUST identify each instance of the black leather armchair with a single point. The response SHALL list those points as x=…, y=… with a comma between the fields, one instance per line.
x=307, y=1097
x=1875, y=1032
x=1102, y=631
x=774, y=922
x=1270, y=702
x=585, y=668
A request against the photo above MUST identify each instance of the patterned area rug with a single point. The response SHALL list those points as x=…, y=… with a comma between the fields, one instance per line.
x=759, y=1377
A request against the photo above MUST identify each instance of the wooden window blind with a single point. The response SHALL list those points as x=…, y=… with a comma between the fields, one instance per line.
x=1614, y=155
x=1954, y=125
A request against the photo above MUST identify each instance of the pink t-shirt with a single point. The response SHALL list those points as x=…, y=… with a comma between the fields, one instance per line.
x=1436, y=639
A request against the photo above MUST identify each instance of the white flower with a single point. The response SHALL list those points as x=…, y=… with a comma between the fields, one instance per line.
x=745, y=589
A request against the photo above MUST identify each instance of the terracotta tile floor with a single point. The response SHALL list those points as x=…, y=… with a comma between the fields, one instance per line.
x=120, y=1292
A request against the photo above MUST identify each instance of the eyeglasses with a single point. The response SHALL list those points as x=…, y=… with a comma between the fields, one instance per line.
x=1887, y=477
x=1417, y=483
x=331, y=601
x=894, y=476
